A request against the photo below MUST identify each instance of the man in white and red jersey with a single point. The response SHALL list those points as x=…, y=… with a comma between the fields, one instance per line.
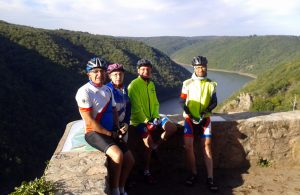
x=97, y=109
x=199, y=98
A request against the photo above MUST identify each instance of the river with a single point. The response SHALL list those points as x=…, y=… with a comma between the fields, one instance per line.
x=228, y=83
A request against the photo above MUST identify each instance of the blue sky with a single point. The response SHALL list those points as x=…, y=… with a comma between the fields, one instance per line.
x=142, y=18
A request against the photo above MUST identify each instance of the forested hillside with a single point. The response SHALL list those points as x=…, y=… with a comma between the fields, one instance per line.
x=275, y=90
x=248, y=54
x=171, y=44
x=253, y=54
x=41, y=71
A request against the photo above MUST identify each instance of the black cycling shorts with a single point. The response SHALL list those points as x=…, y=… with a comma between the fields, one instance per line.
x=103, y=142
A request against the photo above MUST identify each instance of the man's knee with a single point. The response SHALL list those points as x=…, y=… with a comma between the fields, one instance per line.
x=207, y=148
x=148, y=142
x=115, y=154
x=169, y=127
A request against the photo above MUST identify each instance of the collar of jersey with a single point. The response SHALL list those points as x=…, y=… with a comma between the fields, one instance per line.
x=194, y=77
x=145, y=80
x=94, y=84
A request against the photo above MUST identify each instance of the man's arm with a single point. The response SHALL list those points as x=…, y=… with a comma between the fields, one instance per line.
x=184, y=106
x=127, y=113
x=156, y=105
x=136, y=105
x=116, y=117
x=92, y=123
x=213, y=102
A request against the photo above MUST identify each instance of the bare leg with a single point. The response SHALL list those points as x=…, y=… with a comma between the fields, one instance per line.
x=116, y=156
x=128, y=163
x=190, y=156
x=207, y=152
x=149, y=147
x=169, y=128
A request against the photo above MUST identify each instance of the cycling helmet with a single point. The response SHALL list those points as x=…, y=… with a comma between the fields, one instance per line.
x=143, y=62
x=96, y=63
x=114, y=67
x=199, y=60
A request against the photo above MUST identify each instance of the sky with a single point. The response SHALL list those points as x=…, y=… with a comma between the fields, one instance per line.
x=148, y=18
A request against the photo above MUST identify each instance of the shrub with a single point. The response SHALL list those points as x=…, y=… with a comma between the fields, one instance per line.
x=263, y=162
x=37, y=187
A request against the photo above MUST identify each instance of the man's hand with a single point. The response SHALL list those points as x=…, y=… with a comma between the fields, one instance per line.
x=114, y=134
x=157, y=121
x=124, y=128
x=151, y=126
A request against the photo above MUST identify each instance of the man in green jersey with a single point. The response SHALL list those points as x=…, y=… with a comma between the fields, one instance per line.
x=145, y=113
x=199, y=98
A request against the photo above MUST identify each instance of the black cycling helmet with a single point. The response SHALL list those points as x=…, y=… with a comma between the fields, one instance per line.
x=96, y=63
x=199, y=60
x=143, y=62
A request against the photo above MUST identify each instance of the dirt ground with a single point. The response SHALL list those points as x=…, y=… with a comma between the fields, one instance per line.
x=254, y=180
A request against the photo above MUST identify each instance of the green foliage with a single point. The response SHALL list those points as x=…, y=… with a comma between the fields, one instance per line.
x=263, y=162
x=36, y=187
x=170, y=44
x=262, y=104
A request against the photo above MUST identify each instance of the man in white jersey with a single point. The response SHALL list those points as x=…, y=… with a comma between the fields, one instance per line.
x=97, y=109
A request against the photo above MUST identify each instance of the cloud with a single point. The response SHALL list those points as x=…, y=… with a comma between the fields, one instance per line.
x=157, y=17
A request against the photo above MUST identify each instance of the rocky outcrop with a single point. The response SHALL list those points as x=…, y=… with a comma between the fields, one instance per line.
x=241, y=104
x=248, y=137
x=239, y=140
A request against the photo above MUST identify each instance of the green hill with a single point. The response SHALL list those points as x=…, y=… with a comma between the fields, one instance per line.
x=275, y=90
x=274, y=59
x=170, y=44
x=41, y=71
x=253, y=54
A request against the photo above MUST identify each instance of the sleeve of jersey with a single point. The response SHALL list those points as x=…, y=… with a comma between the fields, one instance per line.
x=113, y=102
x=184, y=91
x=214, y=84
x=156, y=106
x=214, y=101
x=128, y=108
x=83, y=100
x=136, y=105
x=127, y=113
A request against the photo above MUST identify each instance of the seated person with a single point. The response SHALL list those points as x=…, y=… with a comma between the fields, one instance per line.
x=97, y=109
x=145, y=113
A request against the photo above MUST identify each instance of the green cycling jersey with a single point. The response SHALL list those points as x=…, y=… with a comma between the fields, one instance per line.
x=144, y=103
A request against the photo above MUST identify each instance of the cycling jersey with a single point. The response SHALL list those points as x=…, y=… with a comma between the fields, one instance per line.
x=144, y=103
x=122, y=103
x=100, y=101
x=198, y=94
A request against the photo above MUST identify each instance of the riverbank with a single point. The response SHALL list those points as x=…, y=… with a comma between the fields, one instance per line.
x=220, y=70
